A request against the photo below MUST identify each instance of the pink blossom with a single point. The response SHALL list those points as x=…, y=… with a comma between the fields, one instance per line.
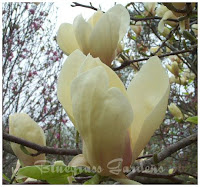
x=29, y=74
x=22, y=56
x=45, y=109
x=14, y=88
x=58, y=136
x=25, y=50
x=35, y=73
x=32, y=11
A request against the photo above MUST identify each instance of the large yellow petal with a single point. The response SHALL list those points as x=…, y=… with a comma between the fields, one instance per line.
x=68, y=73
x=95, y=18
x=108, y=32
x=103, y=116
x=82, y=30
x=66, y=38
x=123, y=16
x=22, y=126
x=114, y=80
x=148, y=92
x=104, y=38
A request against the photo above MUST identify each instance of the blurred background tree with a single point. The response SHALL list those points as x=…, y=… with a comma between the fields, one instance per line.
x=32, y=62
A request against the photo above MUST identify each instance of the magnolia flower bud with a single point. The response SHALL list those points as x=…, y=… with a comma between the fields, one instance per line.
x=180, y=80
x=175, y=111
x=188, y=74
x=194, y=28
x=175, y=58
x=174, y=69
x=22, y=126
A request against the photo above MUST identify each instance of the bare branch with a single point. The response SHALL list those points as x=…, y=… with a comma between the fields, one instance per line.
x=39, y=148
x=128, y=62
x=166, y=153
x=85, y=6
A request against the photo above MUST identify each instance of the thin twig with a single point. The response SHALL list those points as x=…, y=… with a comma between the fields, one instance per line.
x=85, y=6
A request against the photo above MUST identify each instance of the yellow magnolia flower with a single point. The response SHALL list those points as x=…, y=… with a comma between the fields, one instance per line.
x=22, y=126
x=115, y=124
x=175, y=111
x=175, y=58
x=179, y=80
x=174, y=69
x=99, y=36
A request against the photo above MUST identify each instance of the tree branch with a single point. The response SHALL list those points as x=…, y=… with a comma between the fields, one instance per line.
x=151, y=18
x=39, y=148
x=85, y=6
x=163, y=176
x=128, y=62
x=165, y=153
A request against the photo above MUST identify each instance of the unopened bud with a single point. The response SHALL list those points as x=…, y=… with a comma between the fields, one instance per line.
x=175, y=111
x=22, y=126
